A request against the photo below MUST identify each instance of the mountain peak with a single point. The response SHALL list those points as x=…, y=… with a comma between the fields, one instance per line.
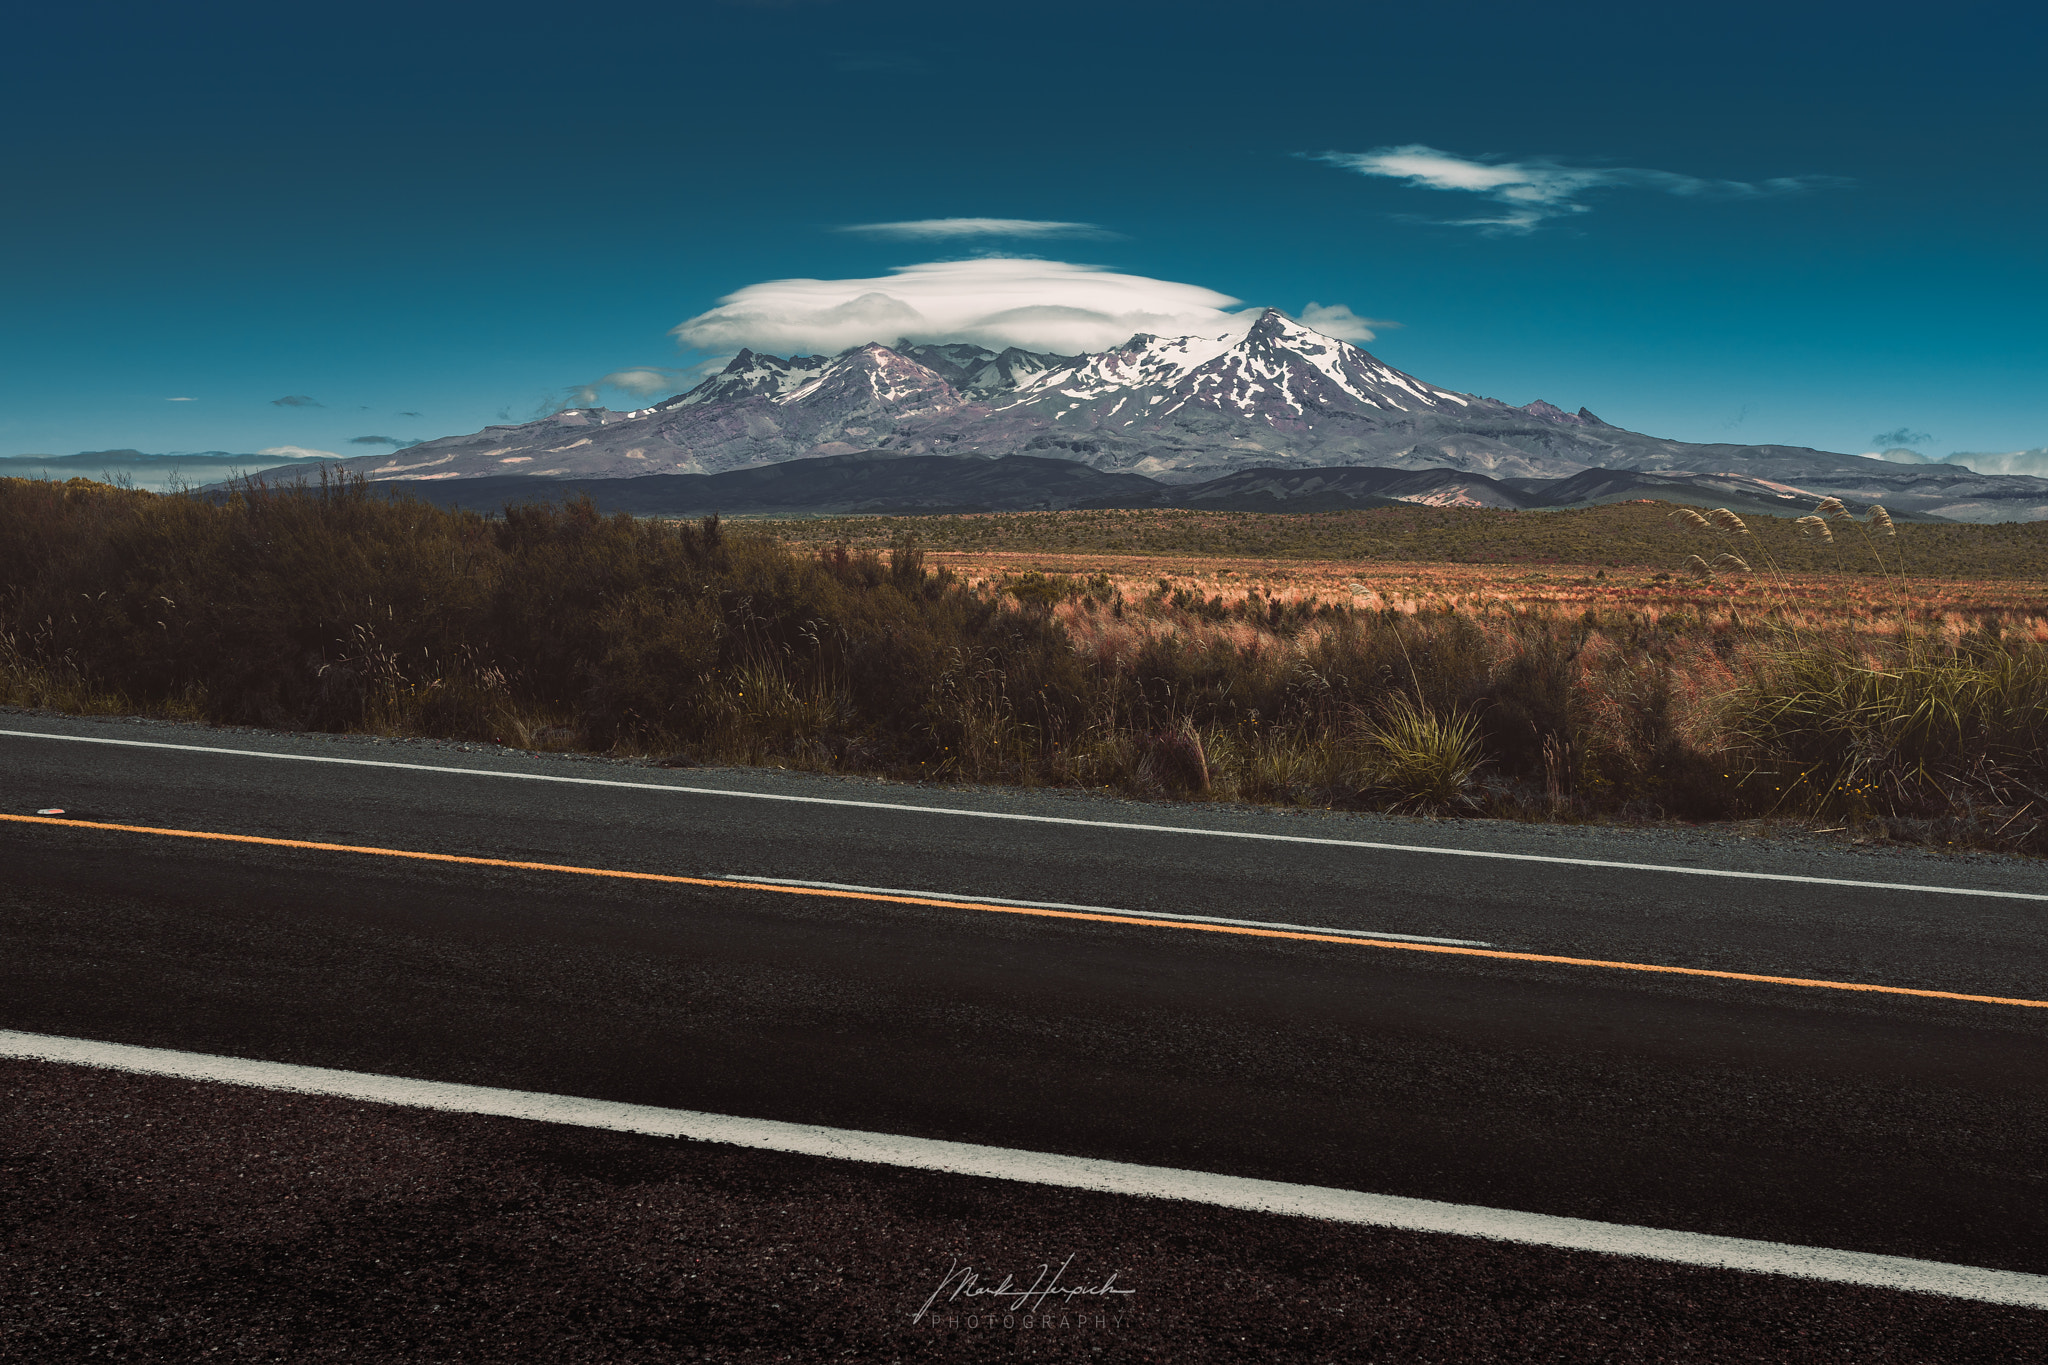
x=1271, y=322
x=1550, y=412
x=874, y=379
x=749, y=375
x=1259, y=389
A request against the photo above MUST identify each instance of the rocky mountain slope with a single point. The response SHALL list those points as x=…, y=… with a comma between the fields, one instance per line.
x=1268, y=394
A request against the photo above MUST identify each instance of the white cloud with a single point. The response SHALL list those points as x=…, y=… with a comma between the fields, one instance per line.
x=1340, y=322
x=932, y=229
x=1036, y=305
x=298, y=453
x=181, y=400
x=1533, y=191
x=2034, y=462
x=639, y=380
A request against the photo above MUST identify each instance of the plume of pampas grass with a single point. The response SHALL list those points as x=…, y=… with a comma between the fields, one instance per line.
x=1685, y=516
x=1832, y=509
x=1814, y=528
x=1697, y=567
x=1881, y=521
x=1728, y=521
x=1735, y=562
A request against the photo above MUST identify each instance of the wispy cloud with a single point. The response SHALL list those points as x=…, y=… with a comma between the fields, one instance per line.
x=2034, y=462
x=2030, y=462
x=410, y=414
x=1901, y=436
x=391, y=441
x=638, y=380
x=1338, y=321
x=937, y=229
x=994, y=302
x=181, y=400
x=296, y=400
x=1533, y=191
x=297, y=453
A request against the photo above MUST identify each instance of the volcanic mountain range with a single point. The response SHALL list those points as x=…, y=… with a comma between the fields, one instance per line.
x=1300, y=414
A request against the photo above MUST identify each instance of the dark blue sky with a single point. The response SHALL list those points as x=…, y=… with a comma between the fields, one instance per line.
x=1800, y=223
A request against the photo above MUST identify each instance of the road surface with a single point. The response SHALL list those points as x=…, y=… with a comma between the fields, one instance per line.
x=1322, y=999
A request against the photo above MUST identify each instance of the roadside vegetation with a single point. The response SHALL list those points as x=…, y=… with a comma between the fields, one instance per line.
x=1619, y=535
x=338, y=608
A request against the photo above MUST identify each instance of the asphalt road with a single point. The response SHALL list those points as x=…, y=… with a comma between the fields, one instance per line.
x=145, y=1218
x=1853, y=1120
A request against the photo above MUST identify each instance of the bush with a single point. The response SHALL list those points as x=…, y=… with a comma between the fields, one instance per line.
x=341, y=607
x=337, y=607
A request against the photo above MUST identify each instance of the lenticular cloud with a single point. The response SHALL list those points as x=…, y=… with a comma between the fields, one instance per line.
x=1036, y=305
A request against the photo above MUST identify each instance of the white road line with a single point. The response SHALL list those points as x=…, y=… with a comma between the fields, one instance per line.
x=1107, y=910
x=1082, y=1173
x=907, y=809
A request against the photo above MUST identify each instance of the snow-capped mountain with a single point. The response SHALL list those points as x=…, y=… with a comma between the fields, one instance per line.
x=1267, y=392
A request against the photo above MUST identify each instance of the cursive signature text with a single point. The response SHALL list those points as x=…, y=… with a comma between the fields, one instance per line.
x=964, y=1282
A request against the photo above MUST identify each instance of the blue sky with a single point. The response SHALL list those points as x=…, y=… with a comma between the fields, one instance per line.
x=1808, y=224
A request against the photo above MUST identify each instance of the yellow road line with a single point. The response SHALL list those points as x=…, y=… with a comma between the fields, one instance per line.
x=1136, y=919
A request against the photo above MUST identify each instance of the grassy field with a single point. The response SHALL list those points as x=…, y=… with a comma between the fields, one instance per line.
x=1896, y=705
x=1622, y=535
x=1876, y=604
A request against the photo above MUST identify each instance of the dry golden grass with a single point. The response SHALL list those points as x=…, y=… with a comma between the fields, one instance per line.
x=1650, y=536
x=1832, y=600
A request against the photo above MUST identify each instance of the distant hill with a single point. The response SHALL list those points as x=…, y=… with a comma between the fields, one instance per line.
x=138, y=468
x=881, y=483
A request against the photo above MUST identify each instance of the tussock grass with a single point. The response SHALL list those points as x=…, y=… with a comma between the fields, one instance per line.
x=1425, y=760
x=333, y=608
x=1944, y=733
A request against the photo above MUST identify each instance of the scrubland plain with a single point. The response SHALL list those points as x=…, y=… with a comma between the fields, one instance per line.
x=1881, y=606
x=1819, y=672
x=1619, y=535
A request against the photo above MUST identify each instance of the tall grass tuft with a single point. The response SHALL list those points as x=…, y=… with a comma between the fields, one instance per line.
x=1952, y=733
x=1427, y=760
